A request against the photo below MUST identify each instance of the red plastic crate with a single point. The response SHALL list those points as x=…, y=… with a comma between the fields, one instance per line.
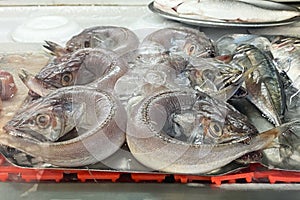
x=253, y=173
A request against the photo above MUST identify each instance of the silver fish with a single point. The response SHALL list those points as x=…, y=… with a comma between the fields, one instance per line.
x=264, y=84
x=118, y=39
x=234, y=11
x=97, y=67
x=285, y=154
x=221, y=80
x=180, y=44
x=149, y=142
x=227, y=44
x=42, y=129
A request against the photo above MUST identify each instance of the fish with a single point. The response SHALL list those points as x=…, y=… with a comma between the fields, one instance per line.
x=221, y=80
x=232, y=11
x=227, y=44
x=118, y=39
x=264, y=85
x=286, y=52
x=150, y=144
x=45, y=128
x=284, y=155
x=97, y=68
x=180, y=44
x=168, y=6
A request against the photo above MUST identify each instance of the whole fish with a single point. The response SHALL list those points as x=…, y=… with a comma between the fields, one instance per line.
x=99, y=68
x=180, y=44
x=230, y=10
x=44, y=128
x=149, y=141
x=221, y=80
x=118, y=39
x=264, y=85
x=285, y=155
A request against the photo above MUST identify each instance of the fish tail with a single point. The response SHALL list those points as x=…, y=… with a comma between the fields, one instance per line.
x=279, y=130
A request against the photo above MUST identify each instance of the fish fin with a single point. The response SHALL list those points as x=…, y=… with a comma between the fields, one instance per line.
x=55, y=49
x=279, y=130
x=274, y=144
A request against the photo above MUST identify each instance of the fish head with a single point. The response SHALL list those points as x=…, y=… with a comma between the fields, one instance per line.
x=221, y=122
x=42, y=120
x=62, y=71
x=202, y=78
x=80, y=41
x=199, y=46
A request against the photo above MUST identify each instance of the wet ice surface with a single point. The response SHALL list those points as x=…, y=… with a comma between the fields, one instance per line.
x=13, y=63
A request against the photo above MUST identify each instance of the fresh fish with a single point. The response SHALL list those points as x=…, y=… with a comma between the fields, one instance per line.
x=148, y=139
x=42, y=129
x=235, y=11
x=118, y=39
x=285, y=154
x=286, y=52
x=97, y=67
x=168, y=6
x=219, y=79
x=264, y=84
x=180, y=44
x=227, y=44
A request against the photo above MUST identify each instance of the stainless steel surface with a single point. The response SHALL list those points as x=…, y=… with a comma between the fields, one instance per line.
x=145, y=191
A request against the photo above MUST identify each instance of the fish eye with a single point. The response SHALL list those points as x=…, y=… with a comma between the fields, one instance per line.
x=87, y=44
x=191, y=49
x=66, y=79
x=209, y=74
x=31, y=122
x=43, y=120
x=215, y=129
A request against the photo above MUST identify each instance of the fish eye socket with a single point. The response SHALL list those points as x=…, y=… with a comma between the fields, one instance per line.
x=66, y=79
x=191, y=49
x=43, y=120
x=209, y=74
x=87, y=44
x=31, y=122
x=215, y=129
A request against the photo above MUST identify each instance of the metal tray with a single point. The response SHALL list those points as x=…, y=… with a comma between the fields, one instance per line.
x=213, y=23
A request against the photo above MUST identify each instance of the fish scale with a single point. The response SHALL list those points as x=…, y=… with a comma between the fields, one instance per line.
x=103, y=133
x=156, y=150
x=264, y=86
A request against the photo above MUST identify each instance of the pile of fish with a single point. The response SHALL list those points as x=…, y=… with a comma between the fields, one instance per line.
x=179, y=101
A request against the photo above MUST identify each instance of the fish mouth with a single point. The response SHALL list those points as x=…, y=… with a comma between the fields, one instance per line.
x=35, y=84
x=10, y=130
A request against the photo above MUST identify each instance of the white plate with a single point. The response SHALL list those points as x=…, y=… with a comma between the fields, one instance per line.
x=213, y=23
